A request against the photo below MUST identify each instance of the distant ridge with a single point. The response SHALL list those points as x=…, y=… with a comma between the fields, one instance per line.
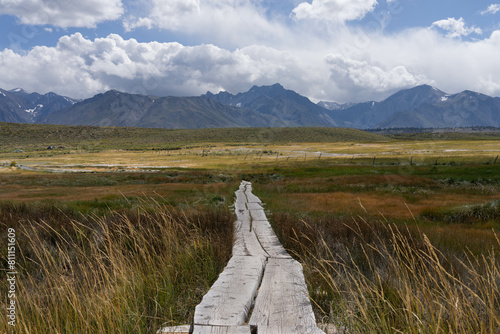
x=290, y=108
x=465, y=109
x=423, y=107
x=265, y=106
x=17, y=105
x=115, y=108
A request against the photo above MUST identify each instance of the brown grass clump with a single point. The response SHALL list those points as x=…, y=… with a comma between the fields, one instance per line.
x=374, y=277
x=124, y=272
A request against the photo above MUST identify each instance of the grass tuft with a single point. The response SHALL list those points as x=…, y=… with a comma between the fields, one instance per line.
x=374, y=277
x=124, y=272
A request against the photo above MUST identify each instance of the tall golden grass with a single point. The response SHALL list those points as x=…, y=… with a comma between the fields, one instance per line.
x=125, y=272
x=374, y=277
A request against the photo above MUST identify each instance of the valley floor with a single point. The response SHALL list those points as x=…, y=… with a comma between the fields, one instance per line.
x=126, y=240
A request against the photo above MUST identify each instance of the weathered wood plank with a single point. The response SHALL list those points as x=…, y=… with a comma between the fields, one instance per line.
x=288, y=330
x=283, y=299
x=246, y=242
x=184, y=329
x=243, y=185
x=282, y=304
x=268, y=239
x=221, y=330
x=251, y=198
x=258, y=214
x=240, y=205
x=230, y=298
x=240, y=196
x=255, y=206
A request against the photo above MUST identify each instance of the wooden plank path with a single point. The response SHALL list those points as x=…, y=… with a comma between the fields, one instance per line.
x=262, y=288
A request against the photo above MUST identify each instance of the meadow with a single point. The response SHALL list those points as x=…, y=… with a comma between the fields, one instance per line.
x=116, y=233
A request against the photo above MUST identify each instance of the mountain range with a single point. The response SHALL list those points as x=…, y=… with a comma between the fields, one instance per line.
x=265, y=106
x=19, y=106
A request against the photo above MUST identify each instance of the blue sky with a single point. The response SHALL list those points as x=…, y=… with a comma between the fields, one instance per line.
x=336, y=50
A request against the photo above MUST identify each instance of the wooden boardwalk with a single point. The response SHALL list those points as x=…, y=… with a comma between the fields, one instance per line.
x=262, y=289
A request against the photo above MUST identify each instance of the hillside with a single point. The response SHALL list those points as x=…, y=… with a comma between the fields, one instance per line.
x=115, y=108
x=14, y=135
x=464, y=109
x=19, y=106
x=265, y=106
x=371, y=114
x=286, y=106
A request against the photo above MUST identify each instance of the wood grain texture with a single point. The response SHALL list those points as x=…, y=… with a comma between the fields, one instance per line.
x=255, y=206
x=221, y=330
x=240, y=207
x=251, y=198
x=246, y=242
x=258, y=214
x=184, y=329
x=282, y=305
x=288, y=330
x=283, y=299
x=268, y=239
x=230, y=298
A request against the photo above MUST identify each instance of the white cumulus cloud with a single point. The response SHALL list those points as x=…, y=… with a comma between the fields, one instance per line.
x=167, y=15
x=79, y=67
x=451, y=65
x=456, y=28
x=334, y=10
x=492, y=9
x=345, y=67
x=232, y=23
x=63, y=13
x=365, y=78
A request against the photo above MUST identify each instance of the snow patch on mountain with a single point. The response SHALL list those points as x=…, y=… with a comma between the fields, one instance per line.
x=69, y=100
x=34, y=110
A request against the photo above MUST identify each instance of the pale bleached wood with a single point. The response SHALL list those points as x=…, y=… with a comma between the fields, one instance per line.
x=255, y=206
x=240, y=196
x=258, y=214
x=184, y=329
x=268, y=239
x=283, y=299
x=244, y=185
x=247, y=187
x=230, y=298
x=240, y=205
x=288, y=330
x=282, y=304
x=246, y=242
x=251, y=198
x=221, y=330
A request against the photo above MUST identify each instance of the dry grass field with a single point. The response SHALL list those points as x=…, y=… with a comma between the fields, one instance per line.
x=223, y=156
x=395, y=235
